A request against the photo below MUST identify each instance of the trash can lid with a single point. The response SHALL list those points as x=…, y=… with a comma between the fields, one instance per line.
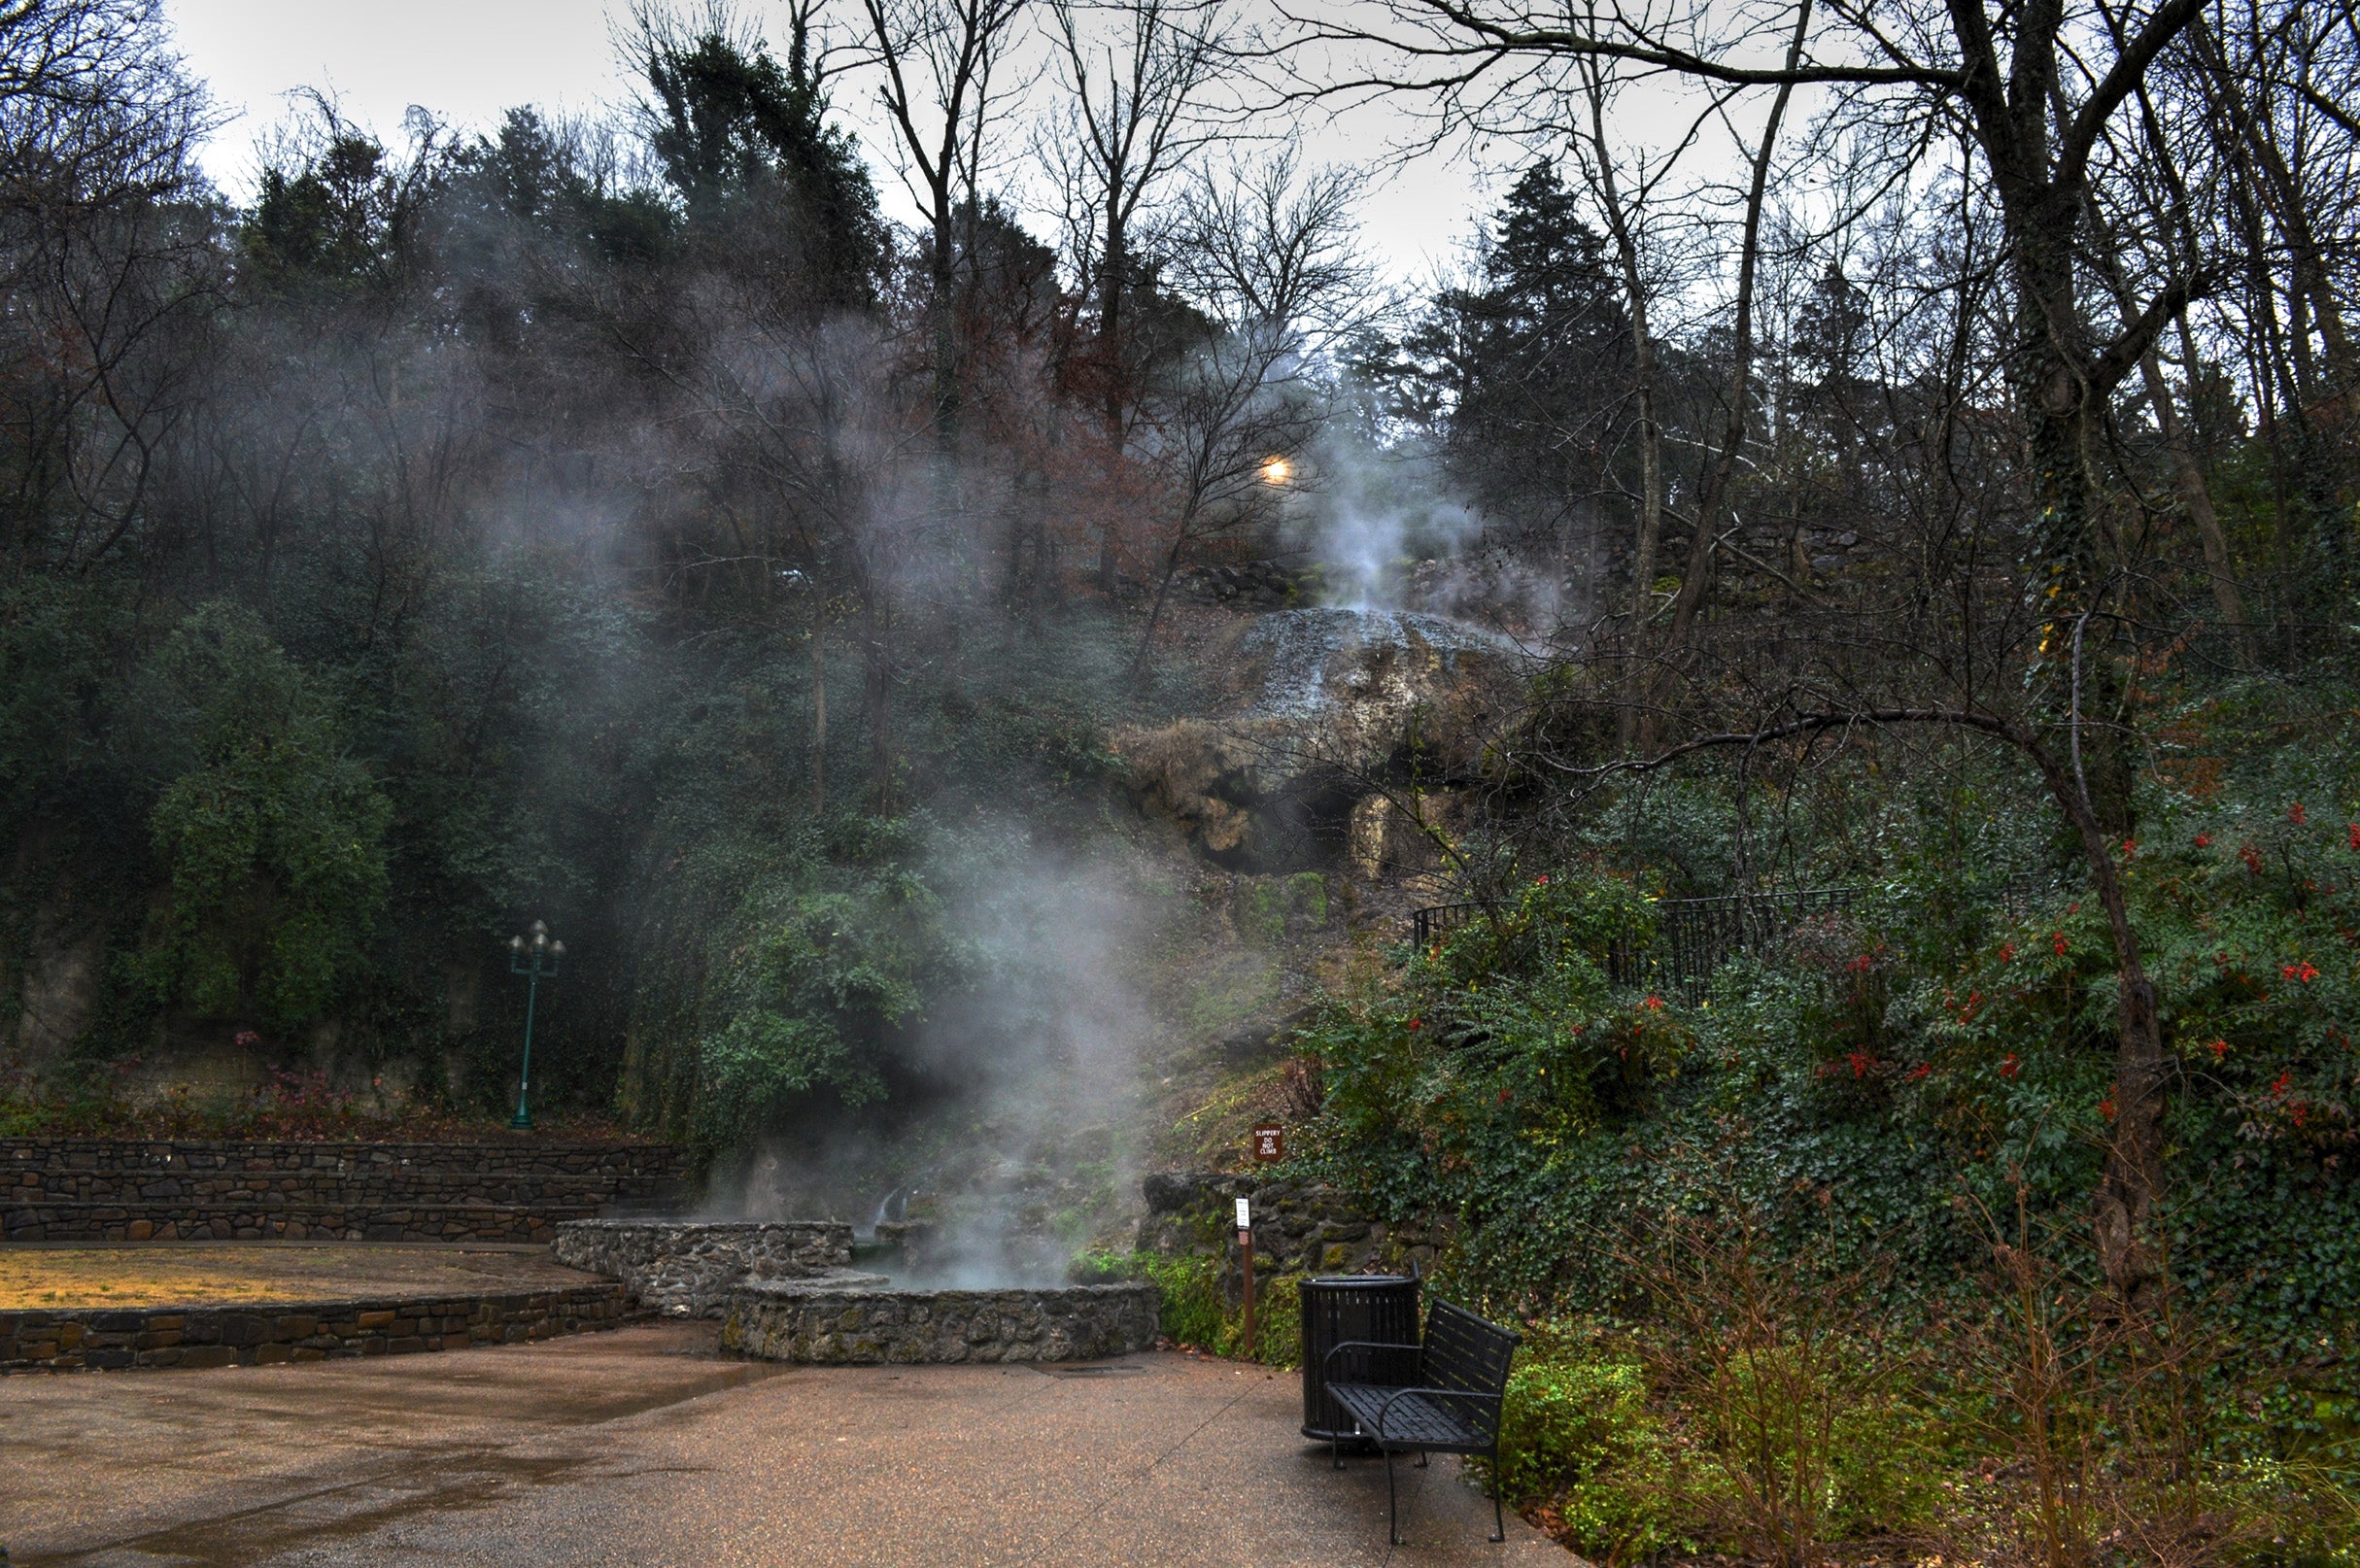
x=1349, y=1280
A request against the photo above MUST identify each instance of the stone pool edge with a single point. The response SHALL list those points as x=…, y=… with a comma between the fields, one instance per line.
x=816, y=1325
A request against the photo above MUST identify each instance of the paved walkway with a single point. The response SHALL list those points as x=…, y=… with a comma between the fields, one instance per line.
x=641, y=1446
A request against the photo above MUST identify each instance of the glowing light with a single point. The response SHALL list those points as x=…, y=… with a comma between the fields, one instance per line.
x=1277, y=471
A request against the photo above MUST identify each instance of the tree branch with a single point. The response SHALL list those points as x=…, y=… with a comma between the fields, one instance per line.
x=2106, y=371
x=2122, y=79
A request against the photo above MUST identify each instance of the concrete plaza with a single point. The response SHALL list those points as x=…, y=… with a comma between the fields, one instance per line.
x=642, y=1447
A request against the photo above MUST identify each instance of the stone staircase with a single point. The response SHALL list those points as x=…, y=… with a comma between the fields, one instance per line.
x=100, y=1189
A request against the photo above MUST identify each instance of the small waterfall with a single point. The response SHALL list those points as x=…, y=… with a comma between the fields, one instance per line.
x=1302, y=644
x=891, y=1209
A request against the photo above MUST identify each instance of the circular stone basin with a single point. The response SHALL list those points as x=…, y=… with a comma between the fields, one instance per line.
x=822, y=1322
x=685, y=1268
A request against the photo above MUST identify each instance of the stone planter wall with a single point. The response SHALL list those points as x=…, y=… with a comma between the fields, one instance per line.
x=687, y=1269
x=77, y=1339
x=101, y=1189
x=824, y=1326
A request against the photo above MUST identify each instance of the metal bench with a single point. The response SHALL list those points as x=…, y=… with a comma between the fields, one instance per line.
x=1440, y=1397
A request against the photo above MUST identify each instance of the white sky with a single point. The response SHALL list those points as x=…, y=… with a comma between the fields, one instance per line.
x=468, y=60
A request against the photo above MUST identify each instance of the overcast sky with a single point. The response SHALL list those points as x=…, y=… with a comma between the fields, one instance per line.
x=468, y=60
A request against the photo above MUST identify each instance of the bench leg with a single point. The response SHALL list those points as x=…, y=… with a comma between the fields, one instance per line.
x=1393, y=1513
x=1499, y=1524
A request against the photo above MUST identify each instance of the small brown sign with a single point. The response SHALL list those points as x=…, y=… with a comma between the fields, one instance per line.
x=1269, y=1144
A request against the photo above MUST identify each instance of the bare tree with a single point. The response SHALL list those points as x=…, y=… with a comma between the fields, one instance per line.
x=107, y=267
x=1624, y=214
x=1136, y=76
x=1713, y=495
x=937, y=61
x=1265, y=251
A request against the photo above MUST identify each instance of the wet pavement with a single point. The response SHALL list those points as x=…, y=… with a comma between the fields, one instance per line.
x=643, y=1447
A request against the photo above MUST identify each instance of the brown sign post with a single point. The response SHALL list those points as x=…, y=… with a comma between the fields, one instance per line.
x=1269, y=1144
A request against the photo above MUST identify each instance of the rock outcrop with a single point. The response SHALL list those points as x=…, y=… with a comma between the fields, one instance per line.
x=1356, y=726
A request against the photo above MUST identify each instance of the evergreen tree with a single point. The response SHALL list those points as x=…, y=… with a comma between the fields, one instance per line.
x=738, y=133
x=1526, y=372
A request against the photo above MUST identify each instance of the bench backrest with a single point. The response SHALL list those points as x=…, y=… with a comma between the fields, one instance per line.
x=1465, y=1353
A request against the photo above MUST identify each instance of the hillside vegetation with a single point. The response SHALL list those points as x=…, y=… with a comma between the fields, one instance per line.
x=979, y=641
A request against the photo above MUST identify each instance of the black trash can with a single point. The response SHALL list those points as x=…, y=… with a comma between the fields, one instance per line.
x=1377, y=1308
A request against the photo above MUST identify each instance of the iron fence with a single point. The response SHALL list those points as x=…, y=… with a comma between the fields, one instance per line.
x=1694, y=937
x=1438, y=920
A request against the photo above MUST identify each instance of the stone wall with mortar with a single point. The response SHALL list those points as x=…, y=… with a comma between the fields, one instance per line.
x=687, y=1269
x=1298, y=1227
x=92, y=1338
x=106, y=1189
x=820, y=1326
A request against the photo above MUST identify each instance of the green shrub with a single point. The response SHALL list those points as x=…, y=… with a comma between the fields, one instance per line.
x=1577, y=1434
x=1195, y=1310
x=1191, y=1310
x=273, y=834
x=1103, y=1266
x=1278, y=1321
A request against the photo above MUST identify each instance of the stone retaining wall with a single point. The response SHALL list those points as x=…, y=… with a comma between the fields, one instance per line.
x=73, y=1338
x=815, y=1324
x=1298, y=1227
x=73, y=1189
x=687, y=1269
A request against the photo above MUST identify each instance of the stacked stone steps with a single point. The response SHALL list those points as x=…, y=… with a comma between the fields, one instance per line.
x=89, y=1189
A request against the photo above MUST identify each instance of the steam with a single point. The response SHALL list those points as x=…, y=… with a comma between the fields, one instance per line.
x=1004, y=1152
x=1390, y=528
x=1376, y=515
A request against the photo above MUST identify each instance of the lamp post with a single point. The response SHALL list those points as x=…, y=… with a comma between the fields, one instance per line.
x=532, y=958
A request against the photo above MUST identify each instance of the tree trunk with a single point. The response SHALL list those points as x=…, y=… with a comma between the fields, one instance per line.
x=1630, y=725
x=819, y=718
x=1155, y=610
x=1697, y=575
x=2053, y=374
x=2311, y=289
x=2057, y=403
x=942, y=282
x=2123, y=1211
x=1111, y=366
x=2188, y=476
x=876, y=696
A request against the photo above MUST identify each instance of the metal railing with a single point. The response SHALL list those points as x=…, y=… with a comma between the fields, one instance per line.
x=1693, y=937
x=1436, y=921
